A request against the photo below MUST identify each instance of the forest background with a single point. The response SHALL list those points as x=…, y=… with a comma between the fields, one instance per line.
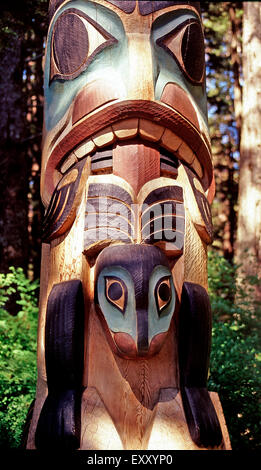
x=233, y=61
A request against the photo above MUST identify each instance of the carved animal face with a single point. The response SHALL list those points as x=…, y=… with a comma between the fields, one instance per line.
x=122, y=70
x=136, y=298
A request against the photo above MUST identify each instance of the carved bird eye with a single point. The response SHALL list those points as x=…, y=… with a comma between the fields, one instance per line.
x=187, y=47
x=116, y=292
x=76, y=39
x=163, y=293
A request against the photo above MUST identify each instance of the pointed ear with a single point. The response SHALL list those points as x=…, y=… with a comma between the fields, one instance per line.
x=177, y=269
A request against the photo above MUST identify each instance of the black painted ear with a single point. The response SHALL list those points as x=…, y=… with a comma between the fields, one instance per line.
x=59, y=424
x=194, y=350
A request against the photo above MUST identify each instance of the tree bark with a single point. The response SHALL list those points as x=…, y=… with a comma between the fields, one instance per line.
x=236, y=66
x=13, y=161
x=249, y=218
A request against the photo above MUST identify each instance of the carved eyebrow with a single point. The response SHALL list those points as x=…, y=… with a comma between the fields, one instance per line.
x=146, y=6
x=128, y=6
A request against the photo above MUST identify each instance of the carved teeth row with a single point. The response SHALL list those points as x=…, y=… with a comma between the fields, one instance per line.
x=129, y=129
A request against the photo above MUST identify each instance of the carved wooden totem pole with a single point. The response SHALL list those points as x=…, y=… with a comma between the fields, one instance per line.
x=127, y=181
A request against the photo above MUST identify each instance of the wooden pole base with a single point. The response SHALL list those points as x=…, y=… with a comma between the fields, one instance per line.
x=169, y=430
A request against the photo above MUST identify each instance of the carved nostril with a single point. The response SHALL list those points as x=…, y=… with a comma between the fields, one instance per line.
x=173, y=95
x=94, y=95
x=126, y=344
x=157, y=343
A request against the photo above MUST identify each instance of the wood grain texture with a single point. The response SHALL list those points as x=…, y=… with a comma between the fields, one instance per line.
x=104, y=137
x=98, y=430
x=203, y=206
x=142, y=163
x=197, y=167
x=65, y=200
x=196, y=203
x=134, y=384
x=92, y=96
x=146, y=7
x=70, y=43
x=185, y=153
x=126, y=129
x=150, y=130
x=195, y=255
x=126, y=6
x=170, y=422
x=177, y=98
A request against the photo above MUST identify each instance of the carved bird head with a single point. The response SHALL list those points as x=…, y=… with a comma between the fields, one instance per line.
x=135, y=297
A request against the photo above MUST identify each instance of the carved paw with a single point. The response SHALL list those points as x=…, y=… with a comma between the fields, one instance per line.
x=57, y=427
x=201, y=417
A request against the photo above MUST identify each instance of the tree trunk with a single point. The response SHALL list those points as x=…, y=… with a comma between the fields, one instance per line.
x=249, y=220
x=236, y=66
x=13, y=161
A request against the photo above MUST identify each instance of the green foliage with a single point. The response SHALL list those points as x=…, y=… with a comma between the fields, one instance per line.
x=235, y=364
x=17, y=16
x=18, y=372
x=224, y=76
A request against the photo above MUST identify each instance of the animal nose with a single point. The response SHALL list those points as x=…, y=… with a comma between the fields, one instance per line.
x=142, y=332
x=140, y=67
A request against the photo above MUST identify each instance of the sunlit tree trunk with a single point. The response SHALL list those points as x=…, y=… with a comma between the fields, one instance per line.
x=249, y=220
x=235, y=48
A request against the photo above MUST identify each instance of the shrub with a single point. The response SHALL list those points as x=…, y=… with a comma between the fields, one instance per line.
x=18, y=338
x=235, y=363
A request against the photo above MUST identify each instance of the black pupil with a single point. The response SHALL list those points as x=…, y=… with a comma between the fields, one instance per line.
x=164, y=292
x=115, y=291
x=70, y=43
x=193, y=51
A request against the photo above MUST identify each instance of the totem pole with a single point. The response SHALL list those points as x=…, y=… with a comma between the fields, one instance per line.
x=127, y=182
